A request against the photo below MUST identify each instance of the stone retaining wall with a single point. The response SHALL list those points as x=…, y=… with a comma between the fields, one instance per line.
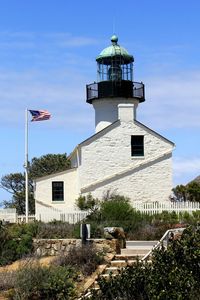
x=52, y=247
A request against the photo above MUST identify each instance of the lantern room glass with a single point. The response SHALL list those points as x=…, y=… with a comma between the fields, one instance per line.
x=115, y=70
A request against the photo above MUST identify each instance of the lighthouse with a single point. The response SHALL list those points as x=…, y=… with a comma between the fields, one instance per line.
x=123, y=156
x=114, y=86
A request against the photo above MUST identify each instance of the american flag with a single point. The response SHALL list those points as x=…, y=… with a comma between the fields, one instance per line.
x=40, y=115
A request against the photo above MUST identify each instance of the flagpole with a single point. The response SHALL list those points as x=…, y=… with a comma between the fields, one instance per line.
x=26, y=164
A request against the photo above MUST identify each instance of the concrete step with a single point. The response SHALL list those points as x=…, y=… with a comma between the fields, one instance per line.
x=135, y=251
x=107, y=276
x=118, y=263
x=122, y=263
x=140, y=243
x=128, y=256
x=112, y=270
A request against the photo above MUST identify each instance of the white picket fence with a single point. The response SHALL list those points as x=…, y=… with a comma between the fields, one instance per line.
x=48, y=215
x=158, y=207
x=22, y=218
x=8, y=215
x=70, y=217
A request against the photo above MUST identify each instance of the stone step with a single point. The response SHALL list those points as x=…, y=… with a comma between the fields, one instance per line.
x=118, y=263
x=107, y=276
x=122, y=263
x=140, y=243
x=135, y=251
x=112, y=270
x=128, y=257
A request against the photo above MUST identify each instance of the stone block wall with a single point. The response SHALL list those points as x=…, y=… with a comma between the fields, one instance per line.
x=53, y=247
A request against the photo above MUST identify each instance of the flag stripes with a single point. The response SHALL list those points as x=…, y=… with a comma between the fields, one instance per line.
x=40, y=115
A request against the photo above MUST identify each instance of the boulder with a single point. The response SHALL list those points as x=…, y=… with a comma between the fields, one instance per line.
x=114, y=233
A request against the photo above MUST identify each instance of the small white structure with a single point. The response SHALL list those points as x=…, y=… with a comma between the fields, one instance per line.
x=123, y=156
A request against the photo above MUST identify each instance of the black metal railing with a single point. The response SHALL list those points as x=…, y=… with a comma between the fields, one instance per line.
x=121, y=89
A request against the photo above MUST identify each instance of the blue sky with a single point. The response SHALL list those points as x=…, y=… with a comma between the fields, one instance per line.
x=47, y=56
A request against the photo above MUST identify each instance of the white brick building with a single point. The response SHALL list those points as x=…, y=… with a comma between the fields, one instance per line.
x=123, y=156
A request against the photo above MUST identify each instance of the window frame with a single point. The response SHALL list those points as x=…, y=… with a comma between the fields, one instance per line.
x=58, y=191
x=137, y=147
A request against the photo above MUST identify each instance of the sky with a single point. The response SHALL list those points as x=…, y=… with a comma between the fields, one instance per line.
x=47, y=56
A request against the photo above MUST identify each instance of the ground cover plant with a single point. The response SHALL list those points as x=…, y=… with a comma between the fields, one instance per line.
x=34, y=281
x=59, y=278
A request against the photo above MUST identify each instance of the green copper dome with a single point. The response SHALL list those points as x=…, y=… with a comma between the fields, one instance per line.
x=115, y=50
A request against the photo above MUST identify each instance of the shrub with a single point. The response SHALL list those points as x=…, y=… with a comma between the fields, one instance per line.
x=13, y=247
x=130, y=284
x=173, y=274
x=115, y=210
x=87, y=203
x=84, y=258
x=6, y=280
x=57, y=229
x=34, y=281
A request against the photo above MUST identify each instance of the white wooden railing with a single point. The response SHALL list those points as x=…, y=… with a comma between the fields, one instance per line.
x=158, y=207
x=164, y=241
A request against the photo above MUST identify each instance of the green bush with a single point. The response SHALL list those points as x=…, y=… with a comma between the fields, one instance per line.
x=130, y=284
x=115, y=210
x=15, y=243
x=173, y=274
x=87, y=203
x=34, y=281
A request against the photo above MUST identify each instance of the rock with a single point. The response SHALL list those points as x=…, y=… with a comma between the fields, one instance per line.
x=114, y=232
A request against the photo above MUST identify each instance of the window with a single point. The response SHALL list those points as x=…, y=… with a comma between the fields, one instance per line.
x=137, y=145
x=57, y=191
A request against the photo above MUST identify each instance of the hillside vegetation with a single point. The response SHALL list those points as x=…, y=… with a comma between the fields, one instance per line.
x=174, y=274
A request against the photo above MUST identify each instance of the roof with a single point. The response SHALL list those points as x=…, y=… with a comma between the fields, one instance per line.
x=115, y=50
x=154, y=132
x=96, y=135
x=53, y=174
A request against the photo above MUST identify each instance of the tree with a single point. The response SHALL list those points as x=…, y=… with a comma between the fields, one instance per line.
x=189, y=192
x=180, y=192
x=48, y=164
x=193, y=189
x=14, y=183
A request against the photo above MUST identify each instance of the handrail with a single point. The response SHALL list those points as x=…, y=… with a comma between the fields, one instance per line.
x=159, y=243
x=136, y=90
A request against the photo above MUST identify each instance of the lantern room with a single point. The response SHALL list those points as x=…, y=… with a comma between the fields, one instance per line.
x=115, y=75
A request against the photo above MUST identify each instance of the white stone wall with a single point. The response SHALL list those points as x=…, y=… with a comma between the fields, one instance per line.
x=110, y=152
x=148, y=183
x=43, y=190
x=107, y=164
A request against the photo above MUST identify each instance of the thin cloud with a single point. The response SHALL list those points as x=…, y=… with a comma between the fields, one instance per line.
x=21, y=40
x=173, y=101
x=187, y=167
